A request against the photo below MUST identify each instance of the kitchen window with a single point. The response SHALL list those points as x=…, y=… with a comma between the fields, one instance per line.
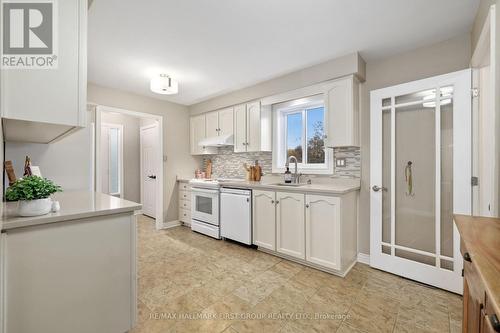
x=299, y=129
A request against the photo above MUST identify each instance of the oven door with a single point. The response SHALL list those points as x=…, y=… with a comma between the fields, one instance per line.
x=205, y=205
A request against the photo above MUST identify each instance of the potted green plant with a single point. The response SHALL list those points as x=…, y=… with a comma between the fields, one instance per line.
x=33, y=194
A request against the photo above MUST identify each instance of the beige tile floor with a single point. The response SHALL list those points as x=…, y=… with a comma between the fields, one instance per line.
x=192, y=283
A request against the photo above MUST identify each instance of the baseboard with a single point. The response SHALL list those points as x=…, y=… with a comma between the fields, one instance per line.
x=364, y=258
x=171, y=224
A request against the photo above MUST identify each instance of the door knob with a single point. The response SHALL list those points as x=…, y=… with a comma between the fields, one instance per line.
x=377, y=188
x=152, y=176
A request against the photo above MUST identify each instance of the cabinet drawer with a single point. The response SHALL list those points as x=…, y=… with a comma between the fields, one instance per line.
x=184, y=187
x=185, y=215
x=184, y=195
x=184, y=204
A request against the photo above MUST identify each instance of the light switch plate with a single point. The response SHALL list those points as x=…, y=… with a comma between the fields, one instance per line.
x=340, y=162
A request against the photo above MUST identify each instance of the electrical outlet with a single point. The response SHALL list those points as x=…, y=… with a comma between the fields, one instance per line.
x=340, y=162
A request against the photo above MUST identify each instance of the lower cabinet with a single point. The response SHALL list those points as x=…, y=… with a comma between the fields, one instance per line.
x=264, y=219
x=323, y=230
x=316, y=230
x=290, y=237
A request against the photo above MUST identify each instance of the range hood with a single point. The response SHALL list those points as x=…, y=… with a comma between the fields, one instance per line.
x=218, y=141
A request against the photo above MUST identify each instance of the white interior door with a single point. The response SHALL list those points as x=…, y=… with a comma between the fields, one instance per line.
x=420, y=176
x=150, y=154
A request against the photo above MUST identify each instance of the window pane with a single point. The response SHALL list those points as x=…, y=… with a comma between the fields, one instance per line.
x=315, y=135
x=294, y=136
x=114, y=173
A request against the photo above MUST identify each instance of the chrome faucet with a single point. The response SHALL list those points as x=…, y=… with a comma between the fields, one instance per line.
x=296, y=175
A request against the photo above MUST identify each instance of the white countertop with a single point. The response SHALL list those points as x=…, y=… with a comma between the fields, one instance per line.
x=74, y=205
x=337, y=186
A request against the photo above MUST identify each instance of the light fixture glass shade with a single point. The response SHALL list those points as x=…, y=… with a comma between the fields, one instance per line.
x=164, y=84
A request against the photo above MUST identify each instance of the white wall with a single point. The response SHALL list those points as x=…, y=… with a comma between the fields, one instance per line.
x=131, y=153
x=175, y=136
x=67, y=162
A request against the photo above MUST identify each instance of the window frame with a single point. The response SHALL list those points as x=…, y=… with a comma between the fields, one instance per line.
x=280, y=128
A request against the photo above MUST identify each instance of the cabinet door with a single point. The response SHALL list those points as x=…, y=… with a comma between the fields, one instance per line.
x=323, y=230
x=342, y=116
x=264, y=219
x=240, y=128
x=226, y=120
x=290, y=224
x=212, y=124
x=56, y=96
x=253, y=126
x=197, y=133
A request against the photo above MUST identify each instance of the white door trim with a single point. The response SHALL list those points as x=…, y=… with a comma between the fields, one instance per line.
x=462, y=171
x=160, y=223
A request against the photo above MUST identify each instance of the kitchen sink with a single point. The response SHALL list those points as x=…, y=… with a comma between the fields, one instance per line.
x=290, y=184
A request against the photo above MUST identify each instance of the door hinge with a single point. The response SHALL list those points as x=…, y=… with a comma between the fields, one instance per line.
x=474, y=92
x=474, y=181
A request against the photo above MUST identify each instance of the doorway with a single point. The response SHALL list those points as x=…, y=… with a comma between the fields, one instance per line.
x=420, y=176
x=128, y=158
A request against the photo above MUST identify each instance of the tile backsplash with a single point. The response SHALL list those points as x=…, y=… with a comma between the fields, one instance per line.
x=228, y=164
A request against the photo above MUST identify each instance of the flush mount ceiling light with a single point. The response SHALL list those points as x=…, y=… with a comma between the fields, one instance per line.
x=164, y=84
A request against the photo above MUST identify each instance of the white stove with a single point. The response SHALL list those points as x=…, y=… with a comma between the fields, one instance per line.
x=205, y=194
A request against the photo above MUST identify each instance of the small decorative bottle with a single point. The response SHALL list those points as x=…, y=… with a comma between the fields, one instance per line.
x=288, y=176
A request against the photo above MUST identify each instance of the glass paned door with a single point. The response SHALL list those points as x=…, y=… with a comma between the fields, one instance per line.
x=419, y=161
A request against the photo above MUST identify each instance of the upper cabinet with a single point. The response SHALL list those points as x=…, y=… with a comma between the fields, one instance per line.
x=43, y=104
x=226, y=126
x=252, y=128
x=209, y=125
x=342, y=116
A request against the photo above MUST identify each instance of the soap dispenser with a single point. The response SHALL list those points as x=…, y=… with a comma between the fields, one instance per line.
x=288, y=176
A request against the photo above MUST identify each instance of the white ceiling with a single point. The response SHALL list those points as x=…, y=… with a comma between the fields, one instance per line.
x=216, y=46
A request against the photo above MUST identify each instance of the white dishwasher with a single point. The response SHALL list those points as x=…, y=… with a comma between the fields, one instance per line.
x=236, y=215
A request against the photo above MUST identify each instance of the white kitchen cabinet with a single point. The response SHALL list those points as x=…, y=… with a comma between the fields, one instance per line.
x=219, y=122
x=252, y=128
x=240, y=128
x=197, y=132
x=290, y=237
x=211, y=124
x=226, y=121
x=342, y=112
x=264, y=219
x=42, y=105
x=323, y=240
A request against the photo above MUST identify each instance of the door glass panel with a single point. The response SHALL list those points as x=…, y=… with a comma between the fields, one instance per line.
x=428, y=260
x=386, y=176
x=204, y=204
x=386, y=102
x=427, y=95
x=415, y=178
x=447, y=174
x=386, y=249
x=114, y=164
x=446, y=264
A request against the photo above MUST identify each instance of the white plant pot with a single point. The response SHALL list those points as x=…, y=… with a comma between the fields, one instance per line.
x=34, y=207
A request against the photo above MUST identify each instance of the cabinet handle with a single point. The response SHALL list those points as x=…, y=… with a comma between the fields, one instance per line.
x=307, y=205
x=467, y=257
x=277, y=202
x=494, y=322
x=272, y=201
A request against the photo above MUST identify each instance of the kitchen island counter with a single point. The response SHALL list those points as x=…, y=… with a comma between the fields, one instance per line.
x=75, y=205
